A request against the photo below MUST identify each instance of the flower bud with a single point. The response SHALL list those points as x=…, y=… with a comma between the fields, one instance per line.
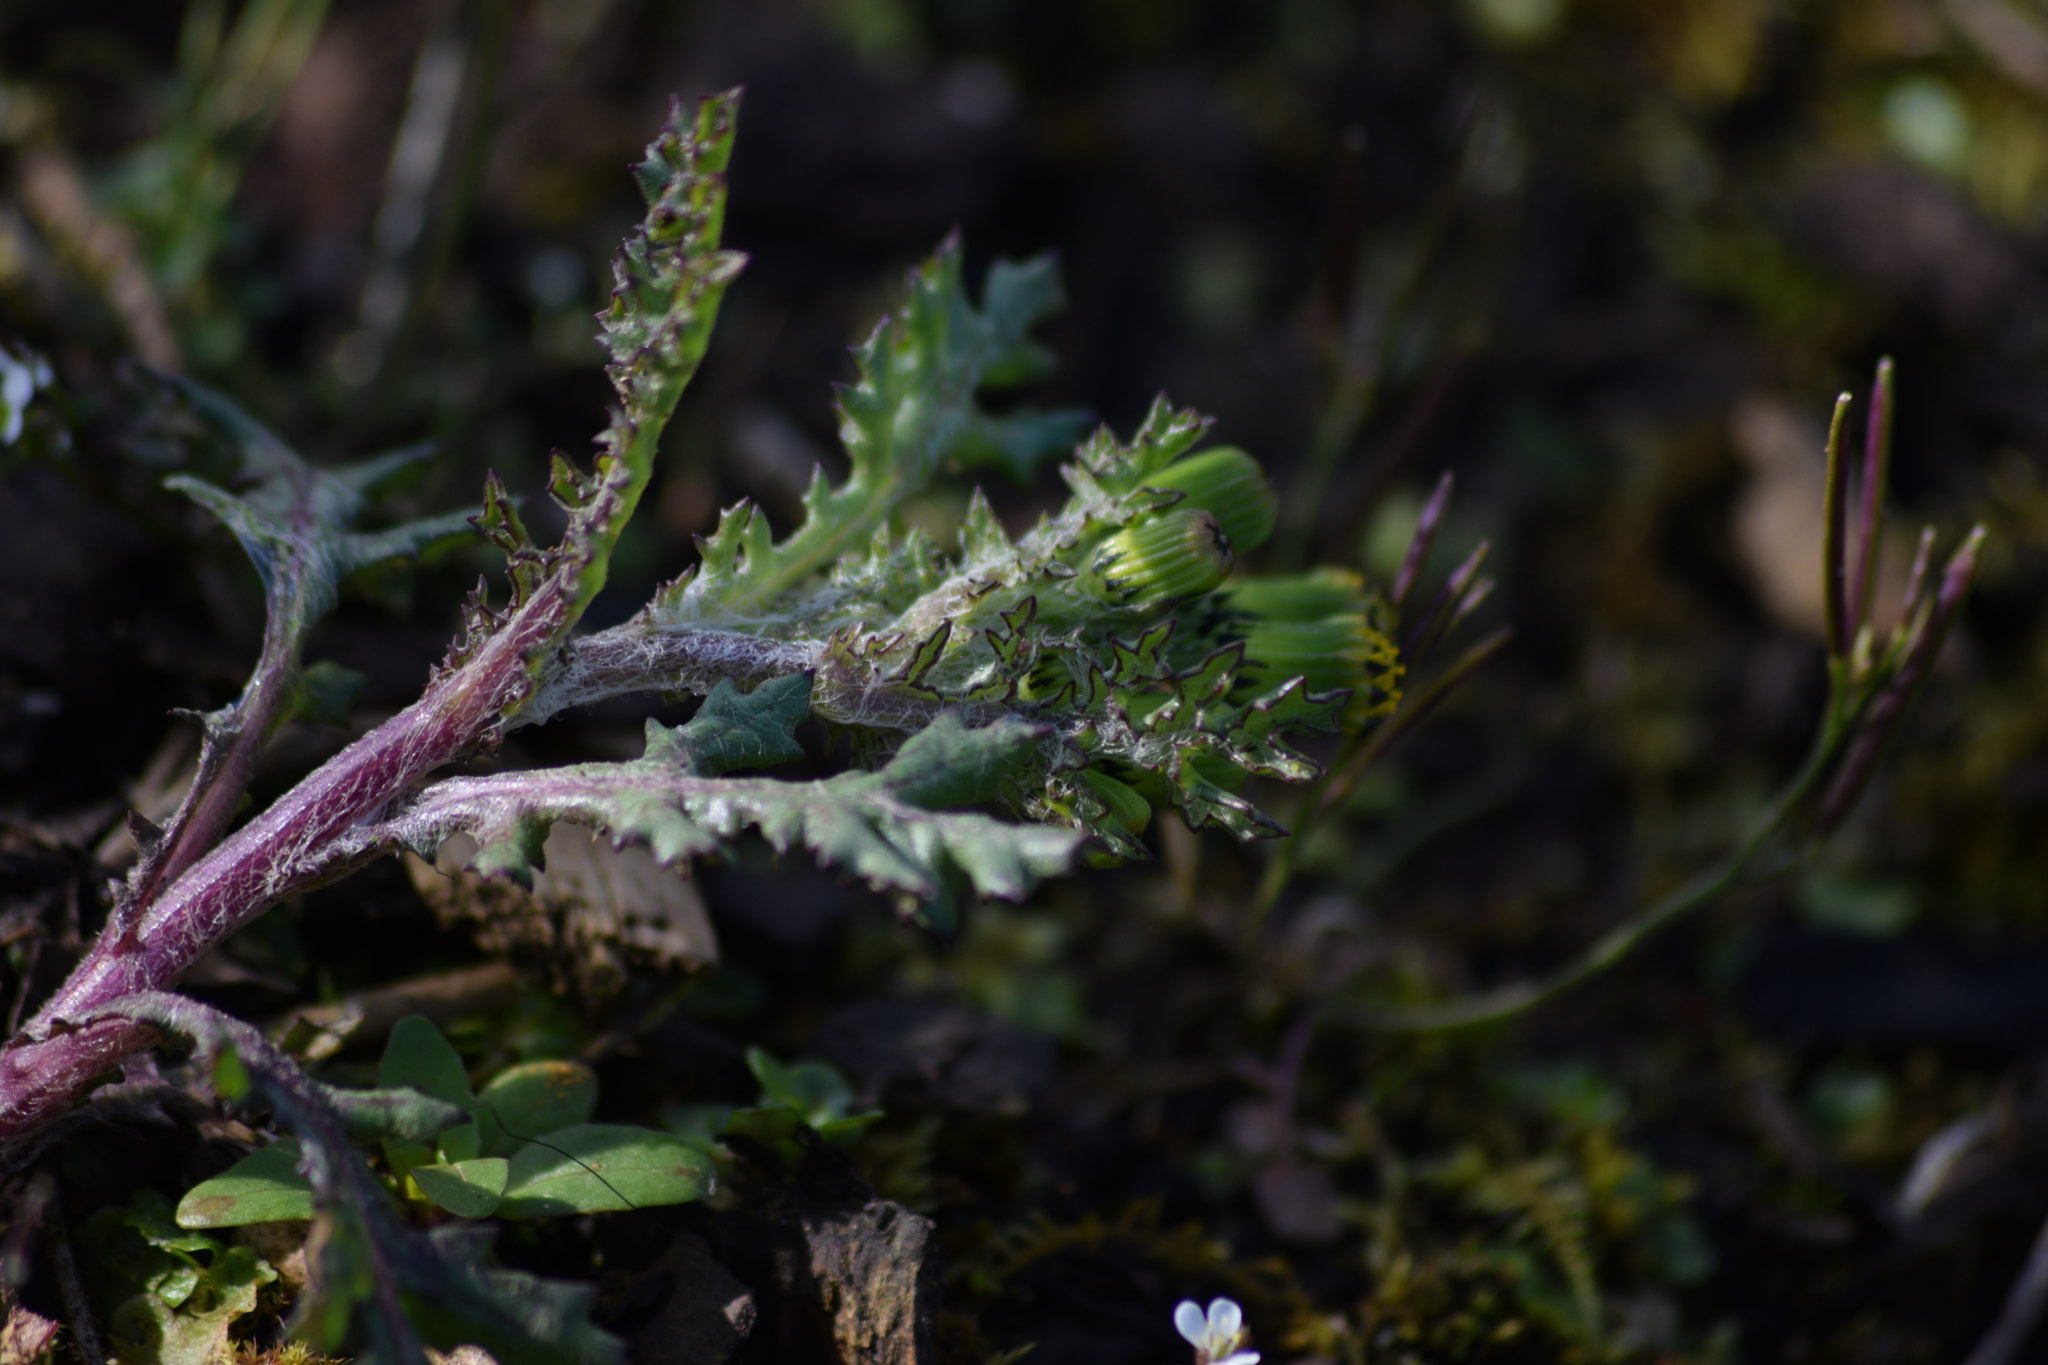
x=1229, y=484
x=1337, y=651
x=1303, y=597
x=1322, y=627
x=1178, y=553
x=1126, y=807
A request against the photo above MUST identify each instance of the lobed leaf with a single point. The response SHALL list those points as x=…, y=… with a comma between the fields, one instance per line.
x=734, y=730
x=669, y=278
x=891, y=828
x=297, y=522
x=174, y=1294
x=910, y=411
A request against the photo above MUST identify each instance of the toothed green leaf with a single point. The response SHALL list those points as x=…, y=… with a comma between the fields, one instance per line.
x=946, y=764
x=1147, y=675
x=298, y=521
x=909, y=413
x=892, y=828
x=734, y=730
x=669, y=279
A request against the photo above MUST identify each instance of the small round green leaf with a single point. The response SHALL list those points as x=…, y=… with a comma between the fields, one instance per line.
x=460, y=1143
x=420, y=1056
x=402, y=1156
x=467, y=1189
x=263, y=1187
x=524, y=1102
x=602, y=1168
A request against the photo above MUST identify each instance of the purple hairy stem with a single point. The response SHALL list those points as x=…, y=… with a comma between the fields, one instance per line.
x=1877, y=454
x=329, y=824
x=1426, y=527
x=223, y=774
x=276, y=855
x=1833, y=555
x=169, y=921
x=633, y=658
x=1881, y=723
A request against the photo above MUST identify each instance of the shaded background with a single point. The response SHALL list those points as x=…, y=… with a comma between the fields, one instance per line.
x=1607, y=261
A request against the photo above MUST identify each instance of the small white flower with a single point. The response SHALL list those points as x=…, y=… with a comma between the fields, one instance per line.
x=1215, y=1335
x=18, y=382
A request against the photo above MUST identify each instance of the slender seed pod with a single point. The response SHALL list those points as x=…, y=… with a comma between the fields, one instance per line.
x=1179, y=553
x=1231, y=485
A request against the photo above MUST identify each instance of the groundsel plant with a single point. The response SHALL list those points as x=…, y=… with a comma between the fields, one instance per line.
x=1015, y=704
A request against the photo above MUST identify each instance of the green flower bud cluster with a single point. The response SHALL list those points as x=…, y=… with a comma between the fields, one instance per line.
x=1226, y=507
x=1323, y=626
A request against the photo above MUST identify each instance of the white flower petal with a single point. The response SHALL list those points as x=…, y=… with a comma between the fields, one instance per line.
x=1189, y=1322
x=1225, y=1318
x=1241, y=1358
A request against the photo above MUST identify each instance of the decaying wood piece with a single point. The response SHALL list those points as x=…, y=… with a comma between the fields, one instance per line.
x=839, y=1273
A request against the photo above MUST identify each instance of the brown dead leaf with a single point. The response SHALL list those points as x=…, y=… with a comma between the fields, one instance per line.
x=594, y=913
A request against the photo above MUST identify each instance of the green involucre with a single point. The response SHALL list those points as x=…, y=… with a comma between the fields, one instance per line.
x=1230, y=485
x=1324, y=627
x=1178, y=554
